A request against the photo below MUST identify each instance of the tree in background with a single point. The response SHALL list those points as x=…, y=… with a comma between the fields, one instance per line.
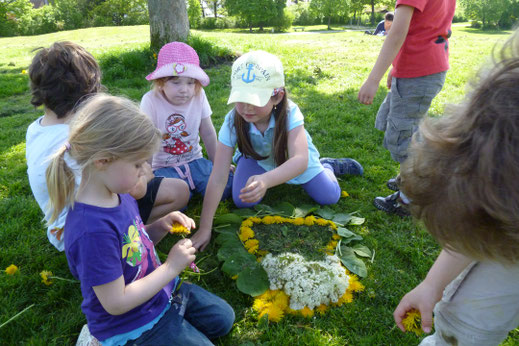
x=256, y=13
x=214, y=4
x=168, y=22
x=194, y=13
x=329, y=9
x=489, y=12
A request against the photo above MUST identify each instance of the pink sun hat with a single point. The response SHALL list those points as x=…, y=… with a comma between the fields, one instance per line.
x=177, y=59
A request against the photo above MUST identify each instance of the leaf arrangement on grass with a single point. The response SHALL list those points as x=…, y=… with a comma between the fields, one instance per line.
x=292, y=262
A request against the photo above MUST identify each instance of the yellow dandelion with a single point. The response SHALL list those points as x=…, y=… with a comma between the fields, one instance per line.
x=234, y=277
x=274, y=313
x=155, y=55
x=45, y=277
x=24, y=71
x=331, y=246
x=279, y=219
x=247, y=223
x=252, y=245
x=413, y=322
x=255, y=219
x=246, y=233
x=354, y=284
x=281, y=299
x=298, y=221
x=310, y=220
x=178, y=228
x=344, y=194
x=336, y=237
x=11, y=270
x=321, y=222
x=306, y=312
x=262, y=252
x=332, y=225
x=268, y=220
x=259, y=304
x=289, y=220
x=291, y=311
x=321, y=309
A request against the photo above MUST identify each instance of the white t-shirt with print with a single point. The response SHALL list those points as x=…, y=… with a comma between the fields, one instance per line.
x=179, y=126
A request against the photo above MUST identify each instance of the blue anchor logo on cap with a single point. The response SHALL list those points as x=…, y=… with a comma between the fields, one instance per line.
x=248, y=79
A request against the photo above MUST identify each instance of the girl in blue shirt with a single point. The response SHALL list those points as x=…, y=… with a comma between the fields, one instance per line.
x=273, y=145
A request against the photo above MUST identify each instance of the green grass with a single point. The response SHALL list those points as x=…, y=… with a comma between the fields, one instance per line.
x=323, y=75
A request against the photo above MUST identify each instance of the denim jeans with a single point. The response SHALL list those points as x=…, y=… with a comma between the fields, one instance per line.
x=195, y=317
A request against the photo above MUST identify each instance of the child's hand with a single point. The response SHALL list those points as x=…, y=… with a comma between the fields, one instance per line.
x=423, y=298
x=389, y=79
x=201, y=239
x=167, y=221
x=254, y=189
x=367, y=92
x=181, y=255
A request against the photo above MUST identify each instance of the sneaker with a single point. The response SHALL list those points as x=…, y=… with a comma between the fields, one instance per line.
x=392, y=204
x=392, y=184
x=343, y=166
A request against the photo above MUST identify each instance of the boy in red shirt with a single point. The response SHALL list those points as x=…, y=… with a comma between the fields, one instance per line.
x=417, y=46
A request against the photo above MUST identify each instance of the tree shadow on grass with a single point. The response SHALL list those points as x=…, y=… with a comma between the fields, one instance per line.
x=476, y=31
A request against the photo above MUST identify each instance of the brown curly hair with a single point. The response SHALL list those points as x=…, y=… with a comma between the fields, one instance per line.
x=463, y=169
x=61, y=75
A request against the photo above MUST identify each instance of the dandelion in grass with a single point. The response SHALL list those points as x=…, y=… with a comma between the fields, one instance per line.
x=45, y=277
x=252, y=245
x=413, y=322
x=268, y=220
x=298, y=221
x=273, y=312
x=306, y=312
x=24, y=71
x=11, y=270
x=178, y=228
x=321, y=309
x=344, y=194
x=246, y=233
x=247, y=223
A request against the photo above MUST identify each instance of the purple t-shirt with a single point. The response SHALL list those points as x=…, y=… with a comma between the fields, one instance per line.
x=102, y=244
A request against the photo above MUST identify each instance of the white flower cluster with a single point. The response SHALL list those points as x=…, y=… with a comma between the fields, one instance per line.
x=307, y=283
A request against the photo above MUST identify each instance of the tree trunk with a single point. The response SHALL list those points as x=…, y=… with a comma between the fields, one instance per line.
x=215, y=9
x=372, y=12
x=168, y=22
x=329, y=22
x=202, y=7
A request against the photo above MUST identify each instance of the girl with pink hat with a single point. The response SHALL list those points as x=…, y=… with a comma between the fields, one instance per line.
x=179, y=108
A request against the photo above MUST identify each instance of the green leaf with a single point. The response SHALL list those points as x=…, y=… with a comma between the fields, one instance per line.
x=325, y=212
x=253, y=280
x=244, y=212
x=342, y=218
x=228, y=218
x=238, y=262
x=224, y=237
x=225, y=252
x=263, y=324
x=284, y=209
x=264, y=209
x=350, y=261
x=361, y=250
x=304, y=210
x=355, y=220
x=229, y=229
x=344, y=232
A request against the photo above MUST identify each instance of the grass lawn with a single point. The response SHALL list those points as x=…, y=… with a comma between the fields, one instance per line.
x=323, y=75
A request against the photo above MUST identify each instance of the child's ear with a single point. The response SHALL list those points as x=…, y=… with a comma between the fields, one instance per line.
x=101, y=163
x=279, y=97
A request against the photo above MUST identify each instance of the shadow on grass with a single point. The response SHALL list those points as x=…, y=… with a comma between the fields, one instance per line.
x=470, y=30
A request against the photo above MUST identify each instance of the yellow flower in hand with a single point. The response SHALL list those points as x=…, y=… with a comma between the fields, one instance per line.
x=11, y=270
x=413, y=322
x=178, y=228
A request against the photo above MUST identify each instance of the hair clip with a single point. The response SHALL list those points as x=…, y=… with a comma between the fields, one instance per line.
x=67, y=146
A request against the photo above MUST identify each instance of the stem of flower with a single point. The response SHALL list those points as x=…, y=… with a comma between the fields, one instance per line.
x=16, y=316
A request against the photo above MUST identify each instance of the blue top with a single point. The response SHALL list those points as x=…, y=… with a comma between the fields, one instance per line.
x=380, y=29
x=102, y=244
x=263, y=143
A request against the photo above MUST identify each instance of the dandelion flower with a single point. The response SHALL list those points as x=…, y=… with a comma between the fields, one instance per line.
x=412, y=322
x=45, y=277
x=321, y=222
x=247, y=223
x=252, y=245
x=298, y=221
x=268, y=220
x=258, y=305
x=281, y=299
x=11, y=270
x=310, y=220
x=306, y=312
x=336, y=237
x=24, y=71
x=177, y=228
x=274, y=313
x=234, y=277
x=347, y=297
x=246, y=233
x=344, y=194
x=255, y=219
x=279, y=219
x=321, y=309
x=354, y=284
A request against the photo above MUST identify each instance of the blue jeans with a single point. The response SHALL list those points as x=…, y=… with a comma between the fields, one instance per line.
x=199, y=172
x=195, y=317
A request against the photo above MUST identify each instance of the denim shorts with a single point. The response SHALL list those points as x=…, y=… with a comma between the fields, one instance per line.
x=403, y=108
x=146, y=203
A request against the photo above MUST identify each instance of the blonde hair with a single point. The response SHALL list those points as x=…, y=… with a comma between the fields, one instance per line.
x=104, y=127
x=462, y=170
x=159, y=83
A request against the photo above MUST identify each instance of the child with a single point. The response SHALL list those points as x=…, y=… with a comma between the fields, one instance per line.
x=178, y=107
x=60, y=78
x=273, y=145
x=462, y=177
x=417, y=45
x=128, y=296
x=383, y=27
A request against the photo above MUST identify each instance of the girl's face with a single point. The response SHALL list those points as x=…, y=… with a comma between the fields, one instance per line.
x=179, y=90
x=121, y=175
x=254, y=114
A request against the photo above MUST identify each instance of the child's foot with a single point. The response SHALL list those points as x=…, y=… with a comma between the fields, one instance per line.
x=392, y=184
x=343, y=166
x=392, y=204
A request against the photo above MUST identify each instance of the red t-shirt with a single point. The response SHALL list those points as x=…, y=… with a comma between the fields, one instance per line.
x=425, y=49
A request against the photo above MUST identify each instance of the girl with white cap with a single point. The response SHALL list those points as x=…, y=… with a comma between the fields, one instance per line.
x=273, y=145
x=178, y=107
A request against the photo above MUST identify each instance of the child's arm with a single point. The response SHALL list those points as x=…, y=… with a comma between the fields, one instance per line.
x=392, y=44
x=213, y=194
x=118, y=298
x=424, y=297
x=158, y=229
x=297, y=162
x=208, y=135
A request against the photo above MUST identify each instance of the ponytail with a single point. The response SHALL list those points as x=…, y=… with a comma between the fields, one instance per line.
x=60, y=184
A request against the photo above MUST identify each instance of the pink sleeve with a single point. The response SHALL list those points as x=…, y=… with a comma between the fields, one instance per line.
x=418, y=4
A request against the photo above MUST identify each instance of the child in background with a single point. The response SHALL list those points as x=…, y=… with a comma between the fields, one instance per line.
x=128, y=295
x=178, y=107
x=383, y=26
x=462, y=177
x=60, y=78
x=273, y=145
x=417, y=46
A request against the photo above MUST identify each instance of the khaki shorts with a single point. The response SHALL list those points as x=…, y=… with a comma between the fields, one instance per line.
x=403, y=108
